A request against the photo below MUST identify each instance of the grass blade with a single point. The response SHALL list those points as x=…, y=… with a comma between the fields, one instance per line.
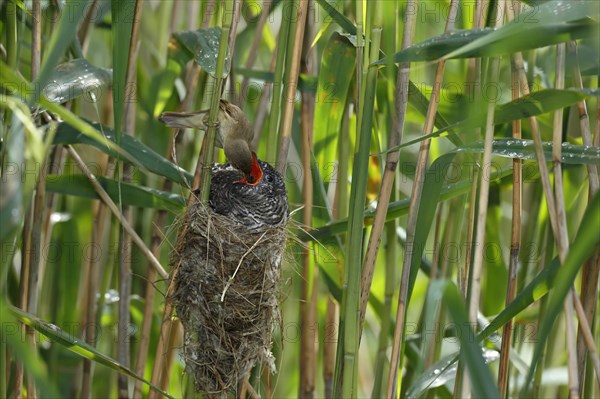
x=483, y=384
x=144, y=155
x=539, y=35
x=75, y=345
x=533, y=23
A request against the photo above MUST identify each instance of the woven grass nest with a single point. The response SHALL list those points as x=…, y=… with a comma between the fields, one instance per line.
x=226, y=278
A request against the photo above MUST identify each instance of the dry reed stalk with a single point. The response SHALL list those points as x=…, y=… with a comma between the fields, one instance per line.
x=413, y=214
x=393, y=158
x=591, y=270
x=556, y=209
x=308, y=302
x=484, y=186
x=109, y=202
x=252, y=53
x=515, y=247
x=123, y=347
x=291, y=85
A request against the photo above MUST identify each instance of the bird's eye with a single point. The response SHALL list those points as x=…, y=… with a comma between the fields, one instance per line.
x=269, y=178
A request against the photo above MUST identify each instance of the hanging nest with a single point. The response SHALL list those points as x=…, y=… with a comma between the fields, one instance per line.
x=226, y=294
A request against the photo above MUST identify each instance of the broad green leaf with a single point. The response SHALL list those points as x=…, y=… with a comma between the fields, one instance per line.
x=143, y=155
x=62, y=37
x=335, y=74
x=15, y=83
x=56, y=334
x=524, y=149
x=75, y=78
x=533, y=104
x=203, y=46
x=582, y=247
x=537, y=36
x=435, y=177
x=132, y=194
x=552, y=22
x=537, y=103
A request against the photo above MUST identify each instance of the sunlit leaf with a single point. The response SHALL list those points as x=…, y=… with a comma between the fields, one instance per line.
x=56, y=334
x=549, y=23
x=15, y=83
x=203, y=46
x=62, y=36
x=524, y=149
x=163, y=84
x=75, y=78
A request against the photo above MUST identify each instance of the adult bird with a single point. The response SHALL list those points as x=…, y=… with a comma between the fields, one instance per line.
x=234, y=135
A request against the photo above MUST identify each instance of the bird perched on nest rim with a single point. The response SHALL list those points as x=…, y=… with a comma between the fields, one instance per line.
x=234, y=135
x=248, y=191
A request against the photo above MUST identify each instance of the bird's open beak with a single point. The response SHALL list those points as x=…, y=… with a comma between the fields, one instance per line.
x=255, y=175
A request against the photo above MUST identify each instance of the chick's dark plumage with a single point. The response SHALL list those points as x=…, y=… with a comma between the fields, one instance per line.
x=254, y=206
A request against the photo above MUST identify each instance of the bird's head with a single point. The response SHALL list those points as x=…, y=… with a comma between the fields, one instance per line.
x=254, y=205
x=235, y=134
x=239, y=155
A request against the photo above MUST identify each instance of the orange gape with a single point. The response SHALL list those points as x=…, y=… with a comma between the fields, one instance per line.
x=256, y=173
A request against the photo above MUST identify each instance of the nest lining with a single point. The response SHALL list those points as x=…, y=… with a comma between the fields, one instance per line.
x=226, y=295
